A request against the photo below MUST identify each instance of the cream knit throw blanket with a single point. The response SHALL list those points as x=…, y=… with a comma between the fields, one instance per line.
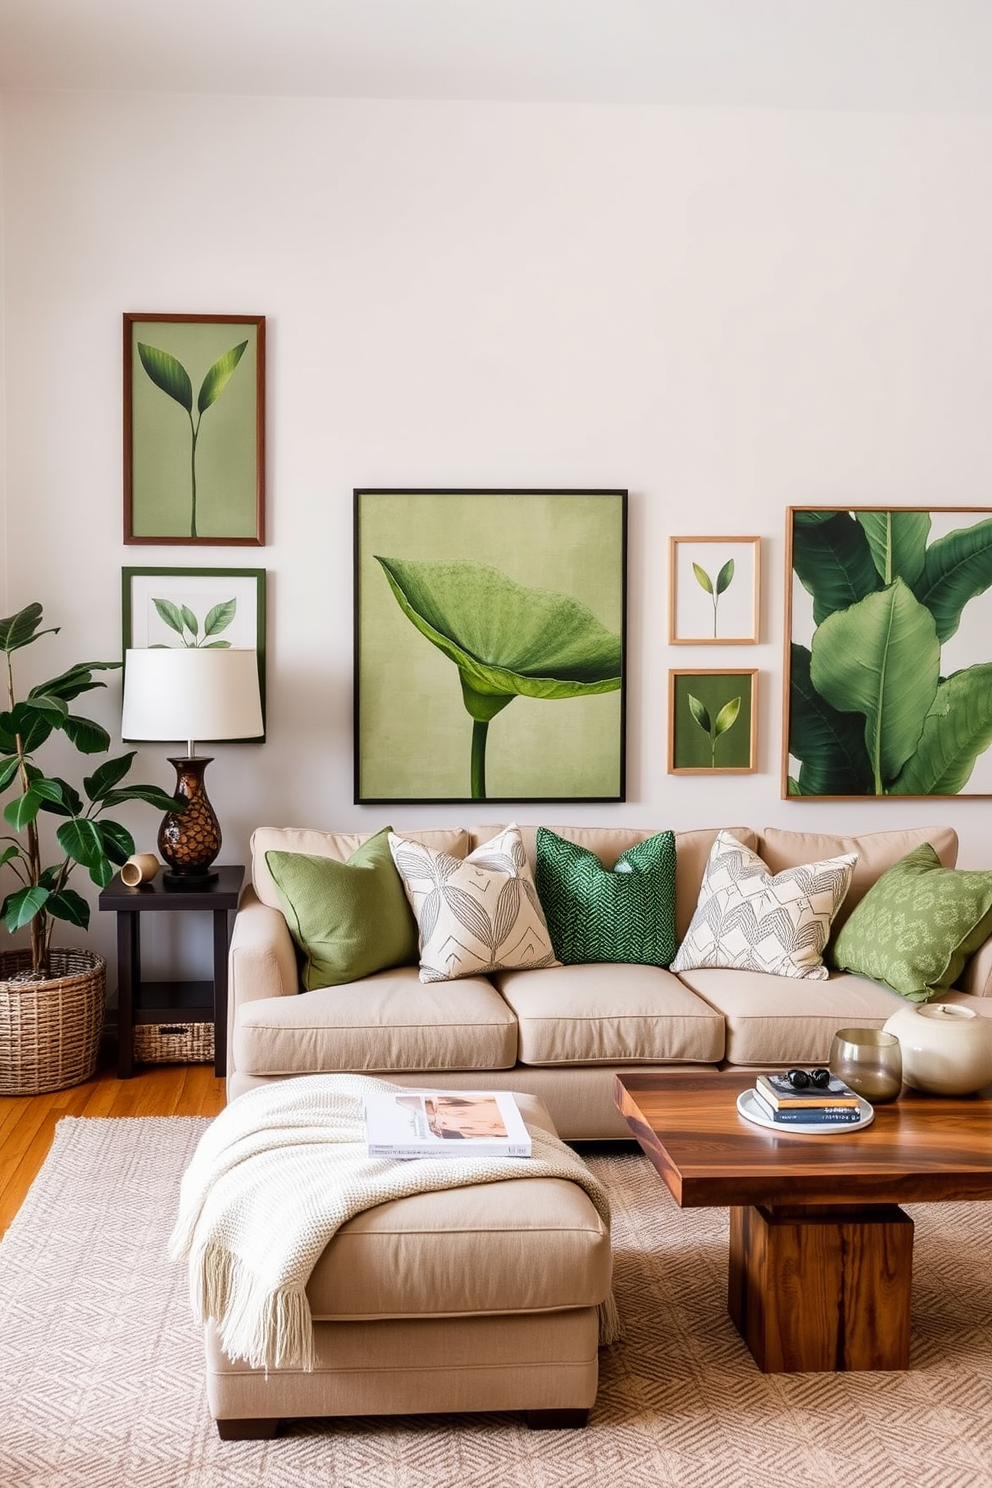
x=273, y=1178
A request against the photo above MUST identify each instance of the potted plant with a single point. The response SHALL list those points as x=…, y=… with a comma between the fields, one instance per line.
x=52, y=1000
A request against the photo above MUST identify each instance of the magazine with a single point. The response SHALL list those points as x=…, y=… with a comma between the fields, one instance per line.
x=445, y=1123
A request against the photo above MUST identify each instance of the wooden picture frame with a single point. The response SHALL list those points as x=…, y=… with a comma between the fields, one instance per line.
x=712, y=721
x=173, y=607
x=468, y=601
x=188, y=482
x=888, y=657
x=714, y=591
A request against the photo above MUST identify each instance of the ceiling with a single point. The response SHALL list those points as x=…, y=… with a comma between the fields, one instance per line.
x=920, y=55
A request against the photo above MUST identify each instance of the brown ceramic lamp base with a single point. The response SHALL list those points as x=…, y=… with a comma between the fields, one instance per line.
x=190, y=840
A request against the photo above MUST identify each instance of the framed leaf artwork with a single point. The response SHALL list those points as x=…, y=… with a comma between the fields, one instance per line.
x=714, y=591
x=194, y=429
x=712, y=721
x=490, y=645
x=195, y=607
x=888, y=652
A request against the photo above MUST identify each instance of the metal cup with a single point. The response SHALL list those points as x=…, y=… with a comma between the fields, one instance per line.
x=870, y=1061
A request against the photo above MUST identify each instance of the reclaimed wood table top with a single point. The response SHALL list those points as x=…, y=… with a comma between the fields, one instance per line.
x=921, y=1148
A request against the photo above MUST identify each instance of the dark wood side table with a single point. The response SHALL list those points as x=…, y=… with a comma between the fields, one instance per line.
x=170, y=1001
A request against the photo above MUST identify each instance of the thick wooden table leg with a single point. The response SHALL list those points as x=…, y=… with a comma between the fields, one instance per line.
x=817, y=1289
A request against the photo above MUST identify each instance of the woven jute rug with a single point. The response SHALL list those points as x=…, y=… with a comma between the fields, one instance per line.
x=101, y=1378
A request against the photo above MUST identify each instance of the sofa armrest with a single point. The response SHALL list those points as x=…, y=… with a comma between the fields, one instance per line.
x=262, y=960
x=977, y=975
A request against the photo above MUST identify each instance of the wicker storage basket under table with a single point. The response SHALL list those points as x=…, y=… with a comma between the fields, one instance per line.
x=174, y=1043
x=50, y=1030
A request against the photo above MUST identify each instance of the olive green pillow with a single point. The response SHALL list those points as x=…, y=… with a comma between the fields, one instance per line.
x=622, y=914
x=917, y=925
x=349, y=919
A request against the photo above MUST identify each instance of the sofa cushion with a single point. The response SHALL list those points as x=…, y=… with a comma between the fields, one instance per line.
x=524, y=1245
x=622, y=1014
x=916, y=927
x=754, y=920
x=339, y=845
x=348, y=919
x=876, y=852
x=475, y=915
x=624, y=913
x=770, y=1022
x=692, y=849
x=390, y=1021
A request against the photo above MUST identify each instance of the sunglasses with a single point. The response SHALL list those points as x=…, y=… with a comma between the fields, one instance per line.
x=801, y=1079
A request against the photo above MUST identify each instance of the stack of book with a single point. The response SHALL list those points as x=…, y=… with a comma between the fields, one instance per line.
x=834, y=1104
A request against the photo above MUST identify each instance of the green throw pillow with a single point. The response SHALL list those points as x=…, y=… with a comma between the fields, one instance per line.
x=917, y=925
x=626, y=913
x=349, y=919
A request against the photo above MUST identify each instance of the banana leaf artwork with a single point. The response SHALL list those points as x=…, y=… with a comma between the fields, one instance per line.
x=889, y=664
x=194, y=429
x=489, y=645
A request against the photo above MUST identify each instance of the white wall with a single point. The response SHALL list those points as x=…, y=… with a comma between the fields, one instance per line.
x=726, y=312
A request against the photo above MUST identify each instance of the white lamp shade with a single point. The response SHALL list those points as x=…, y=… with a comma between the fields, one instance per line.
x=191, y=693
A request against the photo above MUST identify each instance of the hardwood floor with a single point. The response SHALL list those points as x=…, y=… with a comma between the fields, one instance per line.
x=27, y=1122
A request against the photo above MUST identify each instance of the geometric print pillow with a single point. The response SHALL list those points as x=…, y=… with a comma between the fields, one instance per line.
x=621, y=914
x=474, y=914
x=751, y=919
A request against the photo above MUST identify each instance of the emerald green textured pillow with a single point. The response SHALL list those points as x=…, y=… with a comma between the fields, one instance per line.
x=626, y=913
x=349, y=919
x=916, y=927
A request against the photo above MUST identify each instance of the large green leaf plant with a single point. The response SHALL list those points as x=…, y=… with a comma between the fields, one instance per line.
x=871, y=712
x=42, y=895
x=506, y=640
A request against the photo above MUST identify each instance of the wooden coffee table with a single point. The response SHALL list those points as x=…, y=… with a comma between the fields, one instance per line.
x=821, y=1255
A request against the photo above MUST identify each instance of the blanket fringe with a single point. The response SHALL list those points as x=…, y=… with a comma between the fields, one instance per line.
x=610, y=1326
x=266, y=1329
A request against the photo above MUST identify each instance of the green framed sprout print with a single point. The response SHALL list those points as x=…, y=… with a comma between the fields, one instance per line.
x=712, y=721
x=194, y=429
x=889, y=652
x=489, y=645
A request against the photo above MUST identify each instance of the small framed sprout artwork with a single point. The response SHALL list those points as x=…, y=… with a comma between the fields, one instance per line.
x=201, y=607
x=888, y=660
x=194, y=429
x=714, y=591
x=489, y=645
x=712, y=722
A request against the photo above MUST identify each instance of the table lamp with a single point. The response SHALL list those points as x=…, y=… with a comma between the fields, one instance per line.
x=191, y=693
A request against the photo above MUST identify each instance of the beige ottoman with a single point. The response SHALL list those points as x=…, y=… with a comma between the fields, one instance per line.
x=473, y=1299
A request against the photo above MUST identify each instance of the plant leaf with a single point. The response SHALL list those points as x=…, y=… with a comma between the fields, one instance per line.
x=833, y=561
x=52, y=709
x=699, y=713
x=117, y=841
x=506, y=640
x=957, y=568
x=957, y=729
x=898, y=542
x=80, y=840
x=76, y=680
x=70, y=906
x=702, y=578
x=220, y=617
x=168, y=374
x=151, y=794
x=21, y=907
x=22, y=810
x=88, y=737
x=880, y=658
x=8, y=769
x=109, y=774
x=190, y=621
x=21, y=629
x=71, y=803
x=725, y=577
x=830, y=745
x=727, y=717
x=169, y=614
x=219, y=376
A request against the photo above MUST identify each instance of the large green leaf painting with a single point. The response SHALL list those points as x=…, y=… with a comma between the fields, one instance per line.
x=505, y=639
x=870, y=712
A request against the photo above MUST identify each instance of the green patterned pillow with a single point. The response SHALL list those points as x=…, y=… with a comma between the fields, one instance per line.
x=916, y=927
x=349, y=919
x=626, y=913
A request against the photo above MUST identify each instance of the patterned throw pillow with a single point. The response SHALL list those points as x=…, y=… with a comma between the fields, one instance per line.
x=916, y=927
x=754, y=920
x=626, y=913
x=475, y=914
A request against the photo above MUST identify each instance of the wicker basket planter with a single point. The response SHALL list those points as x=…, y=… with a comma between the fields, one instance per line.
x=50, y=1030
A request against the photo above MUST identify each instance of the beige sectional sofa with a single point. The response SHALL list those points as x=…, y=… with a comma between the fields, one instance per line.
x=558, y=1032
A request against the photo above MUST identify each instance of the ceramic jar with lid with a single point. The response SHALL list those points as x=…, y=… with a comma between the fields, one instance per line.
x=946, y=1047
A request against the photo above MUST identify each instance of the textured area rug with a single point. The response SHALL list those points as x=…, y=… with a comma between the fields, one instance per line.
x=101, y=1365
